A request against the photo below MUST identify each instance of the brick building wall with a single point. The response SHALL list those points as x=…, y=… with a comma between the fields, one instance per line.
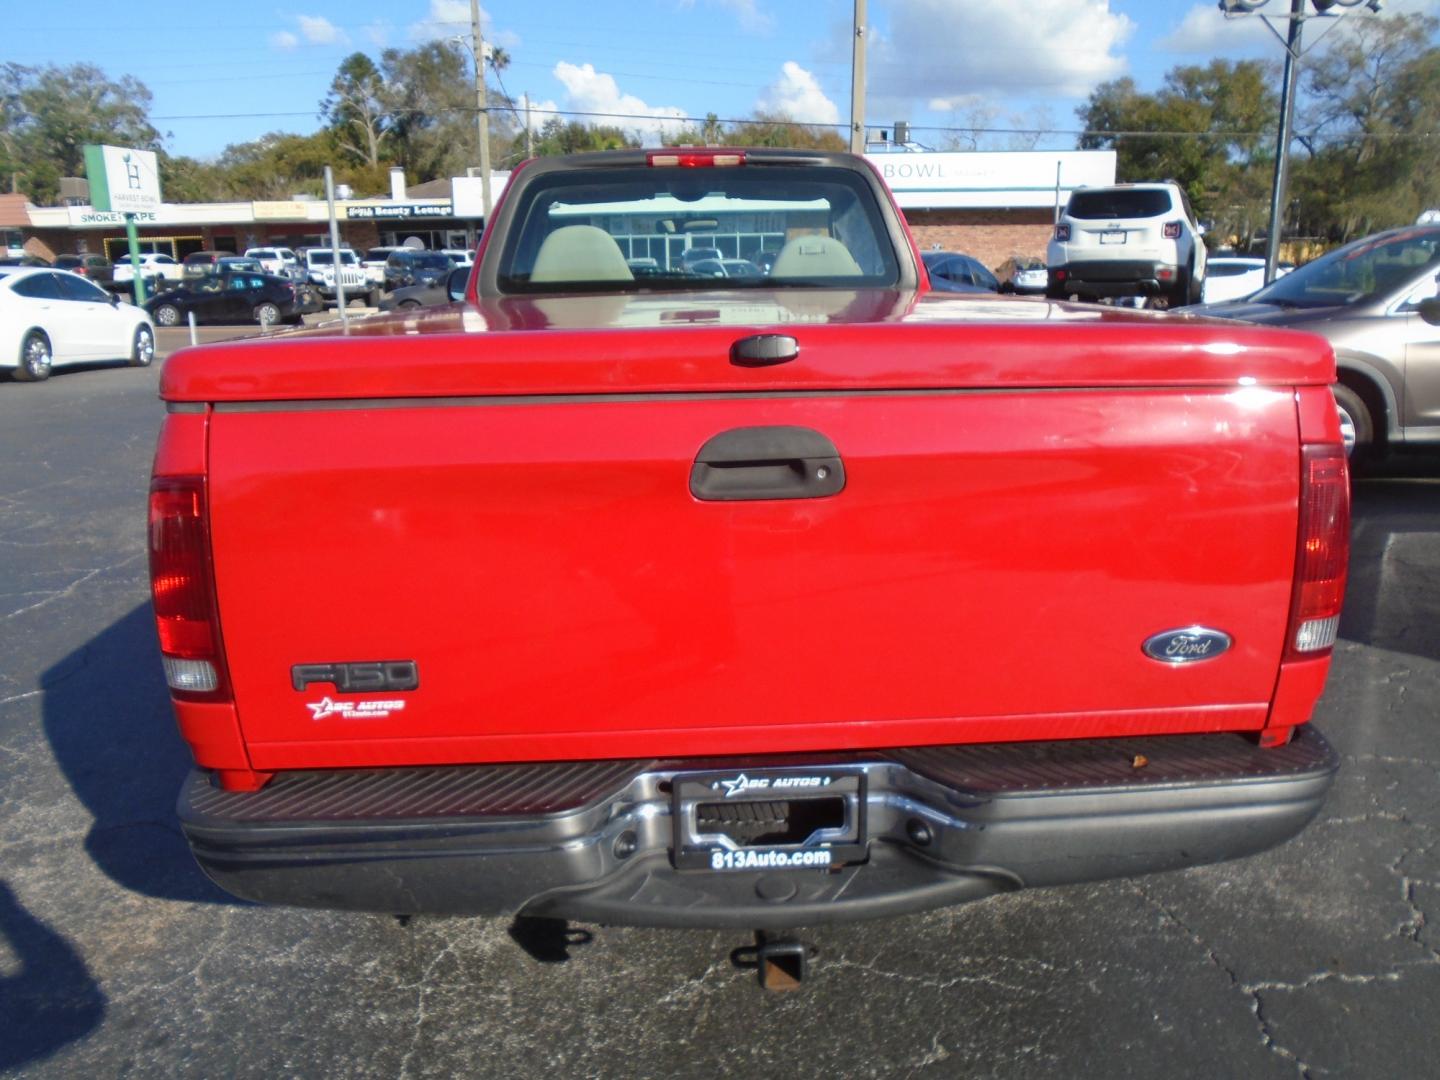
x=991, y=236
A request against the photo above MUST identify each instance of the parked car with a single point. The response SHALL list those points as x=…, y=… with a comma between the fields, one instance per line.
x=24, y=259
x=235, y=297
x=1024, y=275
x=50, y=318
x=1233, y=277
x=690, y=256
x=1127, y=240
x=200, y=263
x=240, y=264
x=155, y=267
x=373, y=262
x=96, y=268
x=410, y=267
x=320, y=271
x=950, y=271
x=743, y=269
x=460, y=256
x=277, y=261
x=411, y=297
x=1375, y=301
x=704, y=267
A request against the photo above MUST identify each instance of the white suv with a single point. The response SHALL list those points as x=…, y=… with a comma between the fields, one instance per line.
x=1127, y=240
x=320, y=269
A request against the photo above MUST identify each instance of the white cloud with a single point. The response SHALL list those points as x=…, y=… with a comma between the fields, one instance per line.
x=1204, y=31
x=318, y=30
x=939, y=48
x=588, y=90
x=752, y=20
x=451, y=18
x=284, y=39
x=378, y=32
x=797, y=94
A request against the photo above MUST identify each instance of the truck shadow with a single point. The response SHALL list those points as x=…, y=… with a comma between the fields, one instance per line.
x=48, y=998
x=108, y=718
x=1392, y=600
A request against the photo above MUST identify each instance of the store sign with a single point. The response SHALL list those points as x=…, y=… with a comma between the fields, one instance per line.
x=284, y=210
x=987, y=170
x=399, y=212
x=123, y=180
x=89, y=217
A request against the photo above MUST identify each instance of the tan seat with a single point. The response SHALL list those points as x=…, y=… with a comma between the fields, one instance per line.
x=580, y=253
x=815, y=257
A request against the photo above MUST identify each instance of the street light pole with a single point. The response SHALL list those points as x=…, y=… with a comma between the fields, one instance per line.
x=1282, y=141
x=857, y=82
x=482, y=118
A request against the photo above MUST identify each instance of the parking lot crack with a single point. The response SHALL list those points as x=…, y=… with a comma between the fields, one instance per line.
x=422, y=987
x=1254, y=992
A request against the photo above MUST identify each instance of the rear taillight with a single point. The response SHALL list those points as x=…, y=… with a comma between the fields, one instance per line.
x=1062, y=232
x=182, y=583
x=704, y=159
x=1171, y=230
x=1323, y=554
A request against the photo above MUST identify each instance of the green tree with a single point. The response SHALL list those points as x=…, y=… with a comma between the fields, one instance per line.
x=50, y=113
x=1370, y=155
x=358, y=109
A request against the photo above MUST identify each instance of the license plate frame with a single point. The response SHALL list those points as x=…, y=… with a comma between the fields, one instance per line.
x=823, y=850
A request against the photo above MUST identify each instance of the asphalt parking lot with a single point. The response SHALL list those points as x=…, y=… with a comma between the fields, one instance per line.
x=118, y=958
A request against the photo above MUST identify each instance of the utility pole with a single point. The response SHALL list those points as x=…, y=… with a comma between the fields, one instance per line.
x=529, y=138
x=1282, y=142
x=857, y=82
x=482, y=118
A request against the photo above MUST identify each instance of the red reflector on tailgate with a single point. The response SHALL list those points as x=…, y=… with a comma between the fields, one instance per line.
x=1324, y=551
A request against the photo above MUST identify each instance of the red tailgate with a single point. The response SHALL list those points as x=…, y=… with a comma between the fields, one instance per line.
x=990, y=570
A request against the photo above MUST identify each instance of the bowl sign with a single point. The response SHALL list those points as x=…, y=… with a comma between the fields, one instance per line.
x=1187, y=645
x=123, y=180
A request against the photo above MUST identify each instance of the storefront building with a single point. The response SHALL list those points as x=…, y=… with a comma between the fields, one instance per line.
x=989, y=205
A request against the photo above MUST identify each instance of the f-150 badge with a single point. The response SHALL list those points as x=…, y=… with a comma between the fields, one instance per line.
x=1188, y=645
x=357, y=678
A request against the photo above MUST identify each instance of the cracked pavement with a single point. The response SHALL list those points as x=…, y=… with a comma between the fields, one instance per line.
x=1317, y=959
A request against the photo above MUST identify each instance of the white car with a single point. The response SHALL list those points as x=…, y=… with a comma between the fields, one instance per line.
x=154, y=266
x=1234, y=277
x=49, y=318
x=1127, y=240
x=460, y=256
x=374, y=261
x=280, y=261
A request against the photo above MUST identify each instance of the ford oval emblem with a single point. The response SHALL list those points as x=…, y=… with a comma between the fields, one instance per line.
x=1188, y=645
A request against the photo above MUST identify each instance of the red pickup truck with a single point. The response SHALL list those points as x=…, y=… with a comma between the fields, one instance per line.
x=621, y=593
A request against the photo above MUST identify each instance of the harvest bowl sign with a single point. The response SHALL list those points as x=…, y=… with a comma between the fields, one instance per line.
x=123, y=180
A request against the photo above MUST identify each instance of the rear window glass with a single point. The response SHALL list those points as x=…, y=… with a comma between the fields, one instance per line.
x=1128, y=203
x=581, y=229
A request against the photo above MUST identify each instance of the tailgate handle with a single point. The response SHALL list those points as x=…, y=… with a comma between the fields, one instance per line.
x=767, y=463
x=763, y=350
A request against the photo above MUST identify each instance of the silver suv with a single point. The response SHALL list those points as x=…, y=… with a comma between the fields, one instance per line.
x=1375, y=301
x=1127, y=240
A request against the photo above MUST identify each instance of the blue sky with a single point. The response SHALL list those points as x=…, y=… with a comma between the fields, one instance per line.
x=228, y=73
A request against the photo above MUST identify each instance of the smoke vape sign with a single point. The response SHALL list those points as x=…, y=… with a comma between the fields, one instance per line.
x=123, y=180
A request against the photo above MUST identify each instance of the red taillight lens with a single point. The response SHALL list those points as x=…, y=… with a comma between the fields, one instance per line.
x=182, y=586
x=1323, y=554
x=692, y=160
x=1172, y=230
x=1062, y=232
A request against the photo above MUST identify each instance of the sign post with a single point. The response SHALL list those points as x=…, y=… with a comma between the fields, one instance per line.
x=125, y=181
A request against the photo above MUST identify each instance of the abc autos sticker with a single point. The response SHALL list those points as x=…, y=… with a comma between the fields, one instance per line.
x=353, y=710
